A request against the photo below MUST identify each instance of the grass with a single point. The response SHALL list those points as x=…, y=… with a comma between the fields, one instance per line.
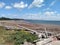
x=4, y=33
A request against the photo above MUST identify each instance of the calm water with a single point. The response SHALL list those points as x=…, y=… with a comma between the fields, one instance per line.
x=44, y=22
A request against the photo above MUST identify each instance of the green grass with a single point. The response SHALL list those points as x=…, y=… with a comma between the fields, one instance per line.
x=5, y=35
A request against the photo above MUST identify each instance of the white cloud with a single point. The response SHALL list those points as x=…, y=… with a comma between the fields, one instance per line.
x=9, y=15
x=31, y=16
x=20, y=5
x=53, y=3
x=50, y=13
x=8, y=7
x=36, y=3
x=2, y=4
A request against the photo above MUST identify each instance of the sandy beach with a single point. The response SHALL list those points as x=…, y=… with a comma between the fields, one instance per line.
x=37, y=27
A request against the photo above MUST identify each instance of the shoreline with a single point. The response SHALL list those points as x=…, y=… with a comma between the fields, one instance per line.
x=37, y=27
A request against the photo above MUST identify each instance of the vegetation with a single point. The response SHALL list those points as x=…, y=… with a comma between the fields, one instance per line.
x=21, y=36
x=3, y=34
x=4, y=18
x=15, y=37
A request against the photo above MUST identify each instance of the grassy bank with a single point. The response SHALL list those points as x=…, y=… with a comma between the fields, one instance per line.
x=17, y=37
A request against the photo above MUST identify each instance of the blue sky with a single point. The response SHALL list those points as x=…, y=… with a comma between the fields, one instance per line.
x=30, y=9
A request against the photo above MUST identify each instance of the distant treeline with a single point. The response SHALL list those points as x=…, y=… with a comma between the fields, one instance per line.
x=4, y=18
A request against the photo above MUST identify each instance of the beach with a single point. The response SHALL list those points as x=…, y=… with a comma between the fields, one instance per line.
x=11, y=25
x=37, y=27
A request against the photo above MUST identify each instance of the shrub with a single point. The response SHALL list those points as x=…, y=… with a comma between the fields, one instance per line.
x=20, y=36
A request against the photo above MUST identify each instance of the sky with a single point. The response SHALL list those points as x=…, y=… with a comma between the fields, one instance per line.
x=30, y=9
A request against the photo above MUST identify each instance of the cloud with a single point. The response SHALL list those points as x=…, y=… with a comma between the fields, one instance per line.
x=50, y=13
x=2, y=4
x=47, y=15
x=32, y=16
x=36, y=3
x=53, y=3
x=8, y=7
x=20, y=5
